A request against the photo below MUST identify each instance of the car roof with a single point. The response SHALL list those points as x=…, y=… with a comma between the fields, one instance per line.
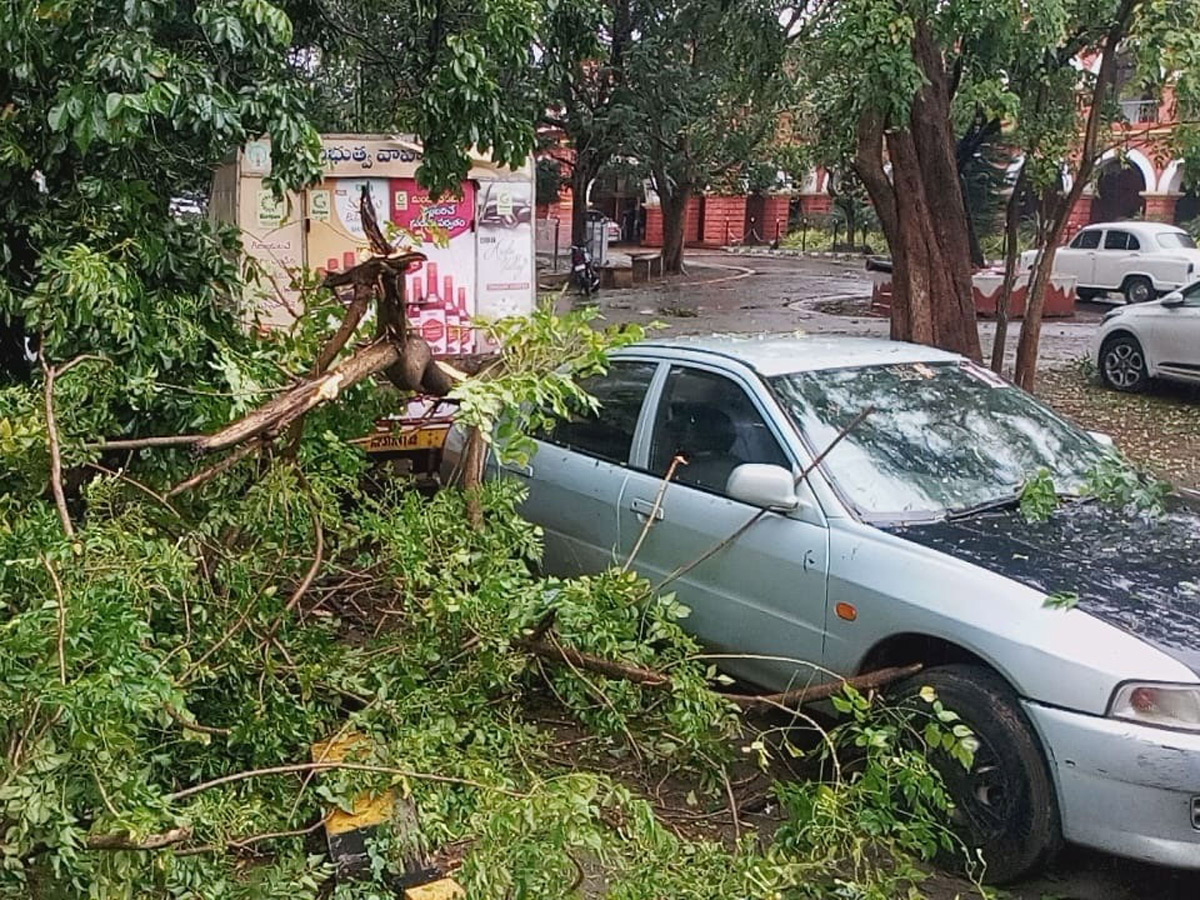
x=1156, y=227
x=783, y=354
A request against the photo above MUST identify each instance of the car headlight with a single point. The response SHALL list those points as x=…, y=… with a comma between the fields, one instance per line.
x=1161, y=705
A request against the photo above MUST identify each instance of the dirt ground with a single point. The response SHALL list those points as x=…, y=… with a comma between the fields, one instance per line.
x=727, y=293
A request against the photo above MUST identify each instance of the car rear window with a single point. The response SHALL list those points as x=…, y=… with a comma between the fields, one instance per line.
x=1175, y=240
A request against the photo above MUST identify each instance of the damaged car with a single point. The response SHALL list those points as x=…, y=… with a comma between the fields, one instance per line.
x=885, y=483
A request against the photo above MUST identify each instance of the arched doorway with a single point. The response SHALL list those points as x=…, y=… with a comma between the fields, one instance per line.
x=1118, y=192
x=1187, y=203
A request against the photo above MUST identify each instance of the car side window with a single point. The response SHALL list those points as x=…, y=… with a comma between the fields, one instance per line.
x=1116, y=240
x=1086, y=240
x=608, y=434
x=1132, y=243
x=1191, y=295
x=711, y=422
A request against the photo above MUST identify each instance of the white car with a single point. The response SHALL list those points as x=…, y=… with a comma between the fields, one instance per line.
x=1140, y=260
x=1151, y=340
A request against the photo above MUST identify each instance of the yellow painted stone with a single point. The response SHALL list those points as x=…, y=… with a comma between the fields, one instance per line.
x=442, y=889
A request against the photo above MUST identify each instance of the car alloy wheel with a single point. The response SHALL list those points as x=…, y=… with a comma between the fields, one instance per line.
x=1123, y=364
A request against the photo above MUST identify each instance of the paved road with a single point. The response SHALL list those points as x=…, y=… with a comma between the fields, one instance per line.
x=756, y=294
x=727, y=292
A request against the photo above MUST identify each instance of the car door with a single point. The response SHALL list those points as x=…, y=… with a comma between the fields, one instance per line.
x=1079, y=257
x=576, y=476
x=762, y=598
x=1175, y=337
x=1113, y=259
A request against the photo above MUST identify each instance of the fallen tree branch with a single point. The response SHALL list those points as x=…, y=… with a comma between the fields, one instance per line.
x=812, y=693
x=645, y=677
x=333, y=764
x=592, y=663
x=122, y=840
x=248, y=842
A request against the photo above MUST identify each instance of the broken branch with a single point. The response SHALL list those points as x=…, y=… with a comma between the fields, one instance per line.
x=812, y=693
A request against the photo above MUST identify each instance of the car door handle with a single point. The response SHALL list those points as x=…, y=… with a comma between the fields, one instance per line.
x=646, y=508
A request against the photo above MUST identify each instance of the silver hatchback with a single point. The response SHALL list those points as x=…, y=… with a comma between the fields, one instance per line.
x=904, y=545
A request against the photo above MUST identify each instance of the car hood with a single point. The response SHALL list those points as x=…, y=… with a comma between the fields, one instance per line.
x=1140, y=574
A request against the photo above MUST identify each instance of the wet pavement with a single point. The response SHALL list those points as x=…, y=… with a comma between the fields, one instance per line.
x=726, y=292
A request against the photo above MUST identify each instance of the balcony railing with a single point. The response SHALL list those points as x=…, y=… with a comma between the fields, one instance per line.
x=1139, y=112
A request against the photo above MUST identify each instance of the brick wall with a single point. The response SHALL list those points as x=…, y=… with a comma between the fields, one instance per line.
x=775, y=216
x=723, y=220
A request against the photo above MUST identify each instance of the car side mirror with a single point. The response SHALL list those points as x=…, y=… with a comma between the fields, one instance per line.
x=1173, y=299
x=765, y=486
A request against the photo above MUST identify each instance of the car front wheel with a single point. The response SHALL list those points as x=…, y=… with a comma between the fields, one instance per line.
x=1123, y=364
x=1005, y=805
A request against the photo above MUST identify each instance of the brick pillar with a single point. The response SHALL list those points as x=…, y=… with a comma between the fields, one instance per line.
x=724, y=219
x=775, y=216
x=1081, y=215
x=654, y=227
x=1160, y=207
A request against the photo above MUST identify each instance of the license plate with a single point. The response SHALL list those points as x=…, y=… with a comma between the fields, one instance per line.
x=414, y=439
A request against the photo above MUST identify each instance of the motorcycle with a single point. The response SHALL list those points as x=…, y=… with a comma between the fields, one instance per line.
x=582, y=273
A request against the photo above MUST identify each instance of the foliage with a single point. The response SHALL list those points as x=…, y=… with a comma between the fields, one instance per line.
x=456, y=73
x=706, y=87
x=1117, y=483
x=872, y=818
x=1039, y=497
x=1061, y=600
x=533, y=382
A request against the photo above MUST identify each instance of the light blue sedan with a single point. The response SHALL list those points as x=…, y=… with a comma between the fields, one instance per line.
x=904, y=545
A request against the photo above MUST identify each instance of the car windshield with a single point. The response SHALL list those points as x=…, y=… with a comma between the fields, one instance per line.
x=1175, y=240
x=941, y=437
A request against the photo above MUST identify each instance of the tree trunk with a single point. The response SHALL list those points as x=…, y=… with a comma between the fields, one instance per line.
x=1012, y=232
x=922, y=214
x=582, y=175
x=1060, y=210
x=674, y=213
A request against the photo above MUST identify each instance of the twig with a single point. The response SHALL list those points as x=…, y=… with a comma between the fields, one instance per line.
x=676, y=462
x=56, y=486
x=733, y=807
x=332, y=764
x=122, y=840
x=243, y=843
x=196, y=726
x=218, y=468
x=148, y=491
x=721, y=545
x=62, y=620
x=167, y=440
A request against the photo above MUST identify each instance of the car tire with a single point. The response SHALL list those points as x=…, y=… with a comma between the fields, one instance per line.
x=1006, y=805
x=1085, y=294
x=1123, y=364
x=1138, y=289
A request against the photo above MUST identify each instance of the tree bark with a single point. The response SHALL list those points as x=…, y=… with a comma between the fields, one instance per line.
x=1012, y=232
x=674, y=214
